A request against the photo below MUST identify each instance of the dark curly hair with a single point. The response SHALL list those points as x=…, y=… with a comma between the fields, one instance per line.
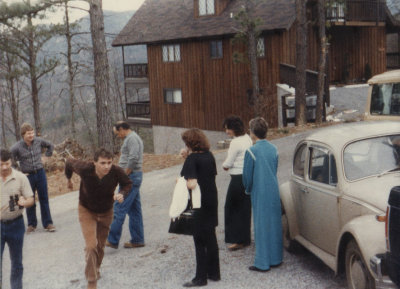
x=234, y=123
x=195, y=140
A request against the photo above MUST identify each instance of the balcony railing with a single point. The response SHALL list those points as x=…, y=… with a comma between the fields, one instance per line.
x=135, y=70
x=287, y=74
x=393, y=60
x=138, y=109
x=356, y=10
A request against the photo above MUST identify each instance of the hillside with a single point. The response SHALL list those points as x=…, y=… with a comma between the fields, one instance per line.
x=54, y=101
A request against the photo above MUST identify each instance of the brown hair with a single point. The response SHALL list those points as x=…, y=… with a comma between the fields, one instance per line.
x=102, y=153
x=195, y=140
x=259, y=127
x=25, y=127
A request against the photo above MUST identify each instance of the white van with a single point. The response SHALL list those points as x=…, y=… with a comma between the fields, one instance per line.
x=384, y=96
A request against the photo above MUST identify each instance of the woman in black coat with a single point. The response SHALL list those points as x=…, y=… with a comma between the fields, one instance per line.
x=200, y=169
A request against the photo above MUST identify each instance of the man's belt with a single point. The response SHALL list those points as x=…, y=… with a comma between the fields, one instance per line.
x=6, y=222
x=32, y=172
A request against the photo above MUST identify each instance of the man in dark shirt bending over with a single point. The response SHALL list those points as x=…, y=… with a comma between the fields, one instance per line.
x=96, y=196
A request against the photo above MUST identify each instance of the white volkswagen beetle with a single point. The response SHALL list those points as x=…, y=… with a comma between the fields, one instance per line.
x=340, y=182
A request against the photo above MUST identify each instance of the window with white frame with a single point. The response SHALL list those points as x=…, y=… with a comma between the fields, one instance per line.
x=172, y=95
x=206, y=7
x=261, y=47
x=171, y=53
x=216, y=49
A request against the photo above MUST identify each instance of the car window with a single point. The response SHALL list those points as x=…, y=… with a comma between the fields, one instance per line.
x=372, y=156
x=322, y=166
x=299, y=160
x=385, y=99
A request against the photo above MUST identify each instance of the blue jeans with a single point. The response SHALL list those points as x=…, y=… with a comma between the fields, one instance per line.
x=131, y=206
x=13, y=235
x=38, y=183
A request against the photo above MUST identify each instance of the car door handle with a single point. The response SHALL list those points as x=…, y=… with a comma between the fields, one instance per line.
x=304, y=190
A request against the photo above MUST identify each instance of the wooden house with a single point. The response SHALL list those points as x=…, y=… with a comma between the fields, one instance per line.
x=191, y=75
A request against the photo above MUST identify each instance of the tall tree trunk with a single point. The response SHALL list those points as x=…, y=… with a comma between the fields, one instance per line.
x=301, y=62
x=14, y=110
x=70, y=71
x=322, y=61
x=252, y=54
x=119, y=104
x=3, y=123
x=13, y=101
x=82, y=109
x=101, y=75
x=33, y=77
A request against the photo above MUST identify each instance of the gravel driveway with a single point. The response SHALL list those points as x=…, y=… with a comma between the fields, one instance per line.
x=56, y=260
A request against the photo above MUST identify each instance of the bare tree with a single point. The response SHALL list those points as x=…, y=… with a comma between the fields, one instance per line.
x=13, y=93
x=118, y=98
x=101, y=75
x=3, y=123
x=301, y=62
x=68, y=37
x=84, y=113
x=248, y=34
x=322, y=61
x=26, y=42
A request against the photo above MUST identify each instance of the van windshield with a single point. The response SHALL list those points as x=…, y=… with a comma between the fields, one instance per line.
x=385, y=99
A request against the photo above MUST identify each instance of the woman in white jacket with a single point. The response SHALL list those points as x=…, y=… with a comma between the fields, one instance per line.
x=237, y=204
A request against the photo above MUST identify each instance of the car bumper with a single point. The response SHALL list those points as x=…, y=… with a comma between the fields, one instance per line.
x=378, y=266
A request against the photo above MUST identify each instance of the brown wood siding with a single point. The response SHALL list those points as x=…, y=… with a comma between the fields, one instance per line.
x=220, y=6
x=215, y=88
x=352, y=47
x=211, y=88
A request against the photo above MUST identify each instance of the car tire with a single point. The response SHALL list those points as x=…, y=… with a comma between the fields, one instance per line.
x=357, y=272
x=288, y=243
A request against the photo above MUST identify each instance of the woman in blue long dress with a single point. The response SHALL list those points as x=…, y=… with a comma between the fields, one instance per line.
x=260, y=181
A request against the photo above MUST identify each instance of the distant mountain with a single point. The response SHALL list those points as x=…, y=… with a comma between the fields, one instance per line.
x=54, y=103
x=113, y=24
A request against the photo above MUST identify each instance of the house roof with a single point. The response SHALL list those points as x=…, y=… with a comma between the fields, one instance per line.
x=168, y=20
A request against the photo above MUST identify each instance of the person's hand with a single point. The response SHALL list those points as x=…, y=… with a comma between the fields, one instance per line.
x=119, y=197
x=184, y=153
x=21, y=201
x=69, y=184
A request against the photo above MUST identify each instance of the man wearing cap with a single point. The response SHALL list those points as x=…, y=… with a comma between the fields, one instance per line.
x=16, y=194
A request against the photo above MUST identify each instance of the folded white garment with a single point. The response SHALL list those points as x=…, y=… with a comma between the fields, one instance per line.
x=180, y=198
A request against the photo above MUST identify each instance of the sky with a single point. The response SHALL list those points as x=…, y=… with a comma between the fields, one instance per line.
x=113, y=5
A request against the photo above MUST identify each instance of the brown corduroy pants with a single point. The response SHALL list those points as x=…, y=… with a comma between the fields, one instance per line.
x=95, y=228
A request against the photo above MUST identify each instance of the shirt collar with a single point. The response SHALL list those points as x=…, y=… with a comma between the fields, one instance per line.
x=11, y=176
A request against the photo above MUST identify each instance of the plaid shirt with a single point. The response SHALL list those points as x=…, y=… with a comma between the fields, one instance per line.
x=30, y=157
